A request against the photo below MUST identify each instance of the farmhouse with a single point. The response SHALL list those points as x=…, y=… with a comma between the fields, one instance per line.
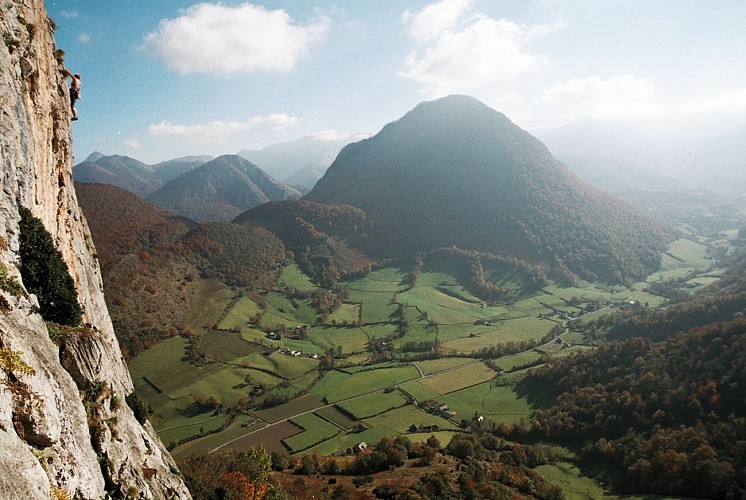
x=360, y=447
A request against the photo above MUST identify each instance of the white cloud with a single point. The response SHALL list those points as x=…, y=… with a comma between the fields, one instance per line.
x=484, y=52
x=69, y=14
x=227, y=40
x=131, y=143
x=333, y=135
x=545, y=29
x=606, y=97
x=84, y=38
x=433, y=20
x=466, y=51
x=219, y=131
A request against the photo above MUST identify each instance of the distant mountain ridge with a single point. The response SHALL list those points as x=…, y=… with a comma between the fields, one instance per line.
x=456, y=172
x=122, y=171
x=169, y=170
x=220, y=189
x=721, y=162
x=131, y=174
x=302, y=162
x=707, y=156
x=197, y=187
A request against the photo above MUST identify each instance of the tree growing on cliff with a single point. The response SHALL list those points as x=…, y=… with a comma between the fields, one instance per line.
x=45, y=274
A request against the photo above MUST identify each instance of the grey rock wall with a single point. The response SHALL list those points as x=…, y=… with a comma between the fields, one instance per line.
x=64, y=425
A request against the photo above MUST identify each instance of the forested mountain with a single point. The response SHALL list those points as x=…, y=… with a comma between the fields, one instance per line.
x=220, y=190
x=122, y=171
x=328, y=241
x=306, y=178
x=124, y=223
x=669, y=415
x=169, y=170
x=152, y=261
x=133, y=175
x=455, y=172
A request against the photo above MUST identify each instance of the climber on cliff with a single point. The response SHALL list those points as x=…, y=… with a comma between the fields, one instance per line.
x=74, y=91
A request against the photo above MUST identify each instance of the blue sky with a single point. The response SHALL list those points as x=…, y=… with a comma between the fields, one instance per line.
x=164, y=79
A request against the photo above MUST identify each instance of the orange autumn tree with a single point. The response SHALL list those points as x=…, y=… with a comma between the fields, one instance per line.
x=245, y=475
x=238, y=486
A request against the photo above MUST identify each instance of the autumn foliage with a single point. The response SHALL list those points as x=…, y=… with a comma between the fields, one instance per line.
x=670, y=413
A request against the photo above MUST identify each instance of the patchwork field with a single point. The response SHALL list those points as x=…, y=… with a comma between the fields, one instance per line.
x=343, y=384
x=419, y=391
x=351, y=339
x=514, y=330
x=337, y=417
x=315, y=431
x=573, y=483
x=271, y=437
x=431, y=366
x=459, y=378
x=497, y=403
x=213, y=298
x=238, y=428
x=292, y=277
x=289, y=409
x=373, y=404
x=402, y=418
x=337, y=386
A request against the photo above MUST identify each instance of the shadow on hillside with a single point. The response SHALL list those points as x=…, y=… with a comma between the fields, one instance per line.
x=195, y=409
x=537, y=395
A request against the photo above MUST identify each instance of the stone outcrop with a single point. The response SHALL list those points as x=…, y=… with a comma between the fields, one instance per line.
x=65, y=428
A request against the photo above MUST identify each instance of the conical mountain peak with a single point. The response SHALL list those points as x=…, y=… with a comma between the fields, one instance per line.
x=455, y=172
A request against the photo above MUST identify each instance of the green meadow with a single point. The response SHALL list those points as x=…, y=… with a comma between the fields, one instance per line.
x=337, y=386
x=315, y=431
x=496, y=403
x=240, y=314
x=400, y=419
x=294, y=278
x=374, y=404
x=459, y=378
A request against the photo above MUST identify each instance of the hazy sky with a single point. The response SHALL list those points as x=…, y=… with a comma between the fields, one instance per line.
x=166, y=78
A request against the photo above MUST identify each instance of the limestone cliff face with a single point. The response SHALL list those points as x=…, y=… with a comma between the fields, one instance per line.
x=65, y=429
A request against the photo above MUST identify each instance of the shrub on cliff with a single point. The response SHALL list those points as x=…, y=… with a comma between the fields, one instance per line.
x=45, y=274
